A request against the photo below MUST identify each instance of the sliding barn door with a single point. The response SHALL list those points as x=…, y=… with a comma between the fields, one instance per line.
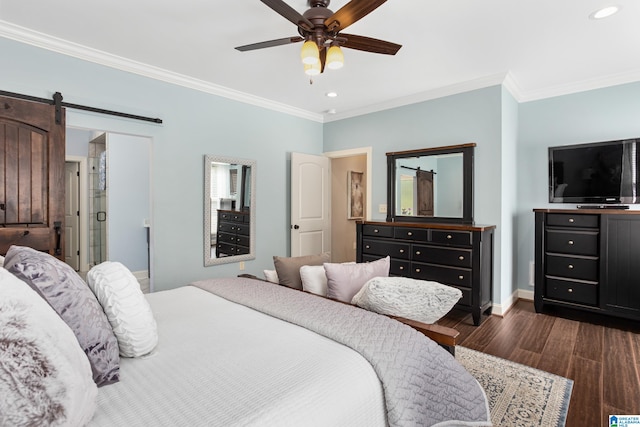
x=32, y=150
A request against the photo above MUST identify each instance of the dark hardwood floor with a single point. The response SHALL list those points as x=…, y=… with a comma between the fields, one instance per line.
x=601, y=355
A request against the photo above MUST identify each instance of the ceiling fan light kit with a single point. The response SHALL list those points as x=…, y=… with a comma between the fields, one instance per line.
x=310, y=53
x=320, y=30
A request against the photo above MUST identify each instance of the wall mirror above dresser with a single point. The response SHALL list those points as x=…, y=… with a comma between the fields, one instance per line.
x=431, y=185
x=229, y=209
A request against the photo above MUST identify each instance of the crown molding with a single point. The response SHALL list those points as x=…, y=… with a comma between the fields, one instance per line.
x=45, y=41
x=580, y=86
x=441, y=92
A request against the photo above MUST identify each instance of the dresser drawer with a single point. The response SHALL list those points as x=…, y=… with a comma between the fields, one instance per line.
x=572, y=242
x=455, y=238
x=242, y=240
x=572, y=267
x=397, y=267
x=465, y=299
x=226, y=238
x=242, y=229
x=459, y=277
x=384, y=248
x=377, y=230
x=581, y=293
x=227, y=227
x=571, y=220
x=411, y=233
x=440, y=255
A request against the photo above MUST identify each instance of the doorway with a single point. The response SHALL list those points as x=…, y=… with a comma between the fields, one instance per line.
x=114, y=199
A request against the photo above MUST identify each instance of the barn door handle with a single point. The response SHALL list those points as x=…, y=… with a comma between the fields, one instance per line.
x=57, y=226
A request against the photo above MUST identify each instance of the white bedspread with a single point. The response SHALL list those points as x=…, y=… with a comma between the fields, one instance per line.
x=222, y=364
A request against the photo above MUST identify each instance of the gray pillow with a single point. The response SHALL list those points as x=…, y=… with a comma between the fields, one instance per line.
x=74, y=302
x=345, y=280
x=288, y=269
x=414, y=299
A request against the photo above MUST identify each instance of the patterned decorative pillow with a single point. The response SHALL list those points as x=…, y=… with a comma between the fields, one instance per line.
x=414, y=299
x=288, y=269
x=126, y=308
x=345, y=280
x=45, y=377
x=74, y=302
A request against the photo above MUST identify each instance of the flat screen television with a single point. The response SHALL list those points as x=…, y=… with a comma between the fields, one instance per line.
x=599, y=173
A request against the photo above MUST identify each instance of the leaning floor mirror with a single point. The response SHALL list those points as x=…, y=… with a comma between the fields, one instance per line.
x=229, y=209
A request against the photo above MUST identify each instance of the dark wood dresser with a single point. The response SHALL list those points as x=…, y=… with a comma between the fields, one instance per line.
x=233, y=233
x=588, y=259
x=452, y=254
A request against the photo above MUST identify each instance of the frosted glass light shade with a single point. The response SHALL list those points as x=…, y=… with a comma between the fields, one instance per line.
x=335, y=58
x=312, y=69
x=310, y=53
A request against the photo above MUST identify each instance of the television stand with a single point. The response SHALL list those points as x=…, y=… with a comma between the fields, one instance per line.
x=603, y=206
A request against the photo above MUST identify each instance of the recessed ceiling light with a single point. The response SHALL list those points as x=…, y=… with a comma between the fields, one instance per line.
x=605, y=12
x=331, y=94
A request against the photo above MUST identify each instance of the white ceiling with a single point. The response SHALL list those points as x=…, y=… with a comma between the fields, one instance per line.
x=541, y=47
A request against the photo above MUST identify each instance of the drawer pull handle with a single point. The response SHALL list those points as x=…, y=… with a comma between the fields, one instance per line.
x=376, y=231
x=461, y=277
x=409, y=233
x=417, y=252
x=461, y=258
x=417, y=270
x=571, y=220
x=570, y=242
x=401, y=251
x=570, y=266
x=402, y=267
x=368, y=247
x=570, y=290
x=449, y=236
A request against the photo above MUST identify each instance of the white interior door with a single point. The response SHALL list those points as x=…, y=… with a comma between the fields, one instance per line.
x=72, y=214
x=310, y=199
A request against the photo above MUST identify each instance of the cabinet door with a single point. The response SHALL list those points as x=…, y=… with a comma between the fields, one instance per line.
x=621, y=275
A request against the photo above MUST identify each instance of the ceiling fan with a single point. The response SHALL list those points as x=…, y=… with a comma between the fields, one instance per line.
x=320, y=29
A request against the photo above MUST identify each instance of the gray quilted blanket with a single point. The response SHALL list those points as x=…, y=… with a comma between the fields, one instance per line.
x=423, y=384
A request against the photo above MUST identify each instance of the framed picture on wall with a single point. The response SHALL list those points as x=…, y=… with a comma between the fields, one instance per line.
x=355, y=200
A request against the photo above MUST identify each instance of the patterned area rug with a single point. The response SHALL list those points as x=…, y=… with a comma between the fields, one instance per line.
x=518, y=395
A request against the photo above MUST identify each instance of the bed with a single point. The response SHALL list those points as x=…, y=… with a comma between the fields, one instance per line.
x=241, y=352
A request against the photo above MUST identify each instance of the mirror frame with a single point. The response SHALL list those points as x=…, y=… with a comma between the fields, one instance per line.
x=208, y=160
x=467, y=151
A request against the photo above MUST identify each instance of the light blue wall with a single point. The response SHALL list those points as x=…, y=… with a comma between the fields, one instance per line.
x=474, y=116
x=195, y=123
x=128, y=199
x=596, y=115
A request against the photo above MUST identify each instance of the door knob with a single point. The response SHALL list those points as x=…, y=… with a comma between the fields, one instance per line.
x=296, y=227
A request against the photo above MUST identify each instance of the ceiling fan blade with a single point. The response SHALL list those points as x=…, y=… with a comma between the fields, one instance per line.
x=289, y=13
x=370, y=45
x=270, y=43
x=350, y=13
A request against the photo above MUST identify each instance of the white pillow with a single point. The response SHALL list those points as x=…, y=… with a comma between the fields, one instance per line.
x=314, y=278
x=271, y=276
x=45, y=378
x=414, y=299
x=126, y=308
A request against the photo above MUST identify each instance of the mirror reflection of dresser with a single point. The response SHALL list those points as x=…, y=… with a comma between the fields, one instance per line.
x=229, y=209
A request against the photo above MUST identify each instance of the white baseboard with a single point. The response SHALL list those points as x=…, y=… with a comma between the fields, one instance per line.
x=502, y=309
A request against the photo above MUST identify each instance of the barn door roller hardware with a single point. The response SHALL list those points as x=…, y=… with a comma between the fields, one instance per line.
x=57, y=101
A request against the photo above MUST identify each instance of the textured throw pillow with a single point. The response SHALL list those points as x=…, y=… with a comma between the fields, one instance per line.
x=126, y=308
x=289, y=268
x=45, y=377
x=345, y=280
x=72, y=299
x=314, y=279
x=271, y=276
x=414, y=299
